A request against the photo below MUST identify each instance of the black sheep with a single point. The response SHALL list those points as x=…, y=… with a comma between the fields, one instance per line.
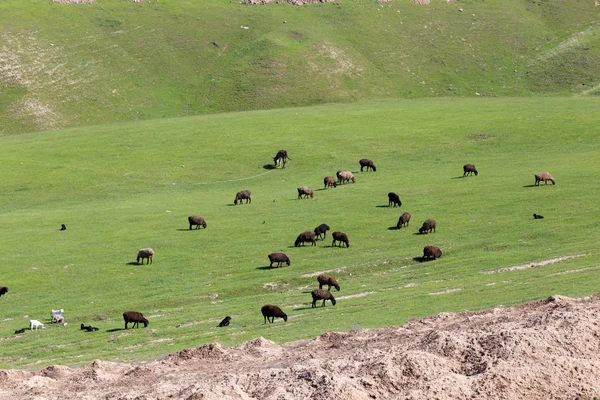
x=469, y=169
x=281, y=156
x=320, y=294
x=225, y=322
x=3, y=290
x=135, y=317
x=538, y=216
x=394, y=199
x=270, y=312
x=243, y=195
x=321, y=230
x=340, y=237
x=279, y=258
x=367, y=163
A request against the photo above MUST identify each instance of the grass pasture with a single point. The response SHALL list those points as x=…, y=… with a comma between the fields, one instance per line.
x=122, y=187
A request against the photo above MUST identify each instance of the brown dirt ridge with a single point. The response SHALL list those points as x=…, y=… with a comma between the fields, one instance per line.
x=548, y=349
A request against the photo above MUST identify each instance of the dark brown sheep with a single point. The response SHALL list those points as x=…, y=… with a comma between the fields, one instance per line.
x=243, y=195
x=394, y=199
x=329, y=181
x=321, y=230
x=469, y=169
x=403, y=220
x=225, y=321
x=320, y=294
x=145, y=254
x=428, y=226
x=3, y=290
x=340, y=237
x=196, y=220
x=305, y=191
x=279, y=258
x=544, y=176
x=430, y=252
x=328, y=280
x=538, y=216
x=281, y=156
x=308, y=236
x=344, y=176
x=270, y=312
x=135, y=317
x=367, y=163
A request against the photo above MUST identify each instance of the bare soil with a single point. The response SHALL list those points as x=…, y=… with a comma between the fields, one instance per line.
x=548, y=349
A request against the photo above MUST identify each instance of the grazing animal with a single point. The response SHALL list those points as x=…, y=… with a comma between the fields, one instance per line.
x=145, y=254
x=281, y=156
x=403, y=220
x=538, y=216
x=305, y=191
x=428, y=226
x=320, y=294
x=367, y=163
x=196, y=220
x=33, y=323
x=135, y=317
x=544, y=176
x=19, y=331
x=431, y=252
x=321, y=230
x=88, y=328
x=340, y=237
x=279, y=258
x=3, y=290
x=394, y=199
x=344, y=176
x=329, y=281
x=469, y=169
x=308, y=236
x=63, y=227
x=225, y=321
x=243, y=195
x=270, y=312
x=329, y=181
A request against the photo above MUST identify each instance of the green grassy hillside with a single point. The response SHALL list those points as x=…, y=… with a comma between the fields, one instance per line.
x=66, y=65
x=122, y=187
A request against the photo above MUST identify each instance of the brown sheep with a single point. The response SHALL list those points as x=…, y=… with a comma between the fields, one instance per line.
x=243, y=195
x=403, y=220
x=196, y=220
x=279, y=258
x=305, y=191
x=344, y=176
x=135, y=317
x=329, y=181
x=431, y=252
x=308, y=236
x=270, y=312
x=3, y=290
x=329, y=281
x=469, y=169
x=146, y=253
x=544, y=176
x=367, y=163
x=340, y=237
x=320, y=294
x=428, y=226
x=394, y=199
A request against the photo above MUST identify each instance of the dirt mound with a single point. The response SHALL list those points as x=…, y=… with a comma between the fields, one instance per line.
x=540, y=350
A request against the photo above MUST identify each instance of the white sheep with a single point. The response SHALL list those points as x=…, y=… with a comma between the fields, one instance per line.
x=35, y=323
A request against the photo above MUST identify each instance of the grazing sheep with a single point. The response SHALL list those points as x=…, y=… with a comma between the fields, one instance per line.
x=282, y=155
x=33, y=323
x=394, y=199
x=544, y=176
x=3, y=290
x=196, y=220
x=329, y=281
x=63, y=227
x=88, y=328
x=469, y=169
x=305, y=191
x=270, y=312
x=320, y=294
x=19, y=331
x=329, y=181
x=340, y=237
x=403, y=220
x=145, y=253
x=321, y=230
x=344, y=176
x=538, y=216
x=431, y=252
x=279, y=258
x=428, y=226
x=308, y=236
x=367, y=163
x=135, y=317
x=225, y=322
x=243, y=195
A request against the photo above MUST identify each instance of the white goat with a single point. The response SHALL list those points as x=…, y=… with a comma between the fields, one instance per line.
x=35, y=323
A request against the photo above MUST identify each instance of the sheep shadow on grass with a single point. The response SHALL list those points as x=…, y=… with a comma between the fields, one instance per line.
x=133, y=263
x=115, y=330
x=269, y=166
x=422, y=260
x=528, y=186
x=393, y=228
x=266, y=267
